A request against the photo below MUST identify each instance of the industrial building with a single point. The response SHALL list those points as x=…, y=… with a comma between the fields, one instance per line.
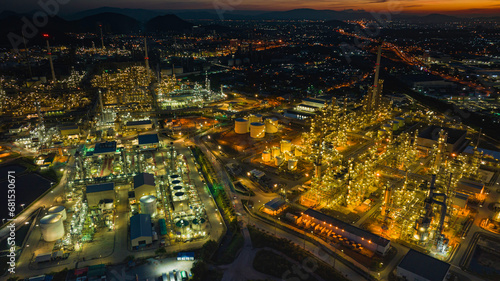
x=455, y=139
x=324, y=223
x=97, y=192
x=148, y=142
x=144, y=184
x=416, y=266
x=139, y=125
x=141, y=233
x=275, y=206
x=104, y=148
x=72, y=131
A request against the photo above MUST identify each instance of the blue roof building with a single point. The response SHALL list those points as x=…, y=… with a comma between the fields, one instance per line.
x=141, y=233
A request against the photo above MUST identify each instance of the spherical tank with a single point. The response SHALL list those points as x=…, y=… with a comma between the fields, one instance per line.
x=148, y=204
x=59, y=210
x=286, y=145
x=266, y=156
x=241, y=126
x=271, y=125
x=257, y=130
x=292, y=164
x=52, y=227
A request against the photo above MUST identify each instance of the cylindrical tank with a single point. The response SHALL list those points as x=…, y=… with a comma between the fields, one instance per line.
x=271, y=125
x=257, y=130
x=177, y=188
x=395, y=125
x=292, y=164
x=387, y=127
x=287, y=156
x=298, y=153
x=401, y=121
x=241, y=126
x=258, y=118
x=148, y=204
x=286, y=145
x=266, y=156
x=275, y=151
x=252, y=118
x=381, y=133
x=230, y=62
x=175, y=177
x=278, y=161
x=59, y=210
x=407, y=119
x=176, y=182
x=52, y=227
x=237, y=62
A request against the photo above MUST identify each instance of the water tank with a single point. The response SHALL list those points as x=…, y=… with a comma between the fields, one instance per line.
x=59, y=210
x=272, y=125
x=292, y=164
x=52, y=227
x=241, y=126
x=257, y=130
x=285, y=145
x=275, y=151
x=148, y=204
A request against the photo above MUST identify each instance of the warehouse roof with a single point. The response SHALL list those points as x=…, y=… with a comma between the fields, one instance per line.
x=275, y=204
x=105, y=147
x=140, y=226
x=144, y=178
x=347, y=227
x=100, y=187
x=432, y=133
x=425, y=266
x=138, y=123
x=148, y=139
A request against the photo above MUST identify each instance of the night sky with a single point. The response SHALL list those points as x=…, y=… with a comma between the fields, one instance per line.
x=490, y=7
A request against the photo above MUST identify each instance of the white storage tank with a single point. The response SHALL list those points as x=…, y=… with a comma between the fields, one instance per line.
x=58, y=210
x=257, y=130
x=292, y=164
x=266, y=156
x=286, y=146
x=52, y=227
x=148, y=204
x=241, y=126
x=272, y=125
x=275, y=151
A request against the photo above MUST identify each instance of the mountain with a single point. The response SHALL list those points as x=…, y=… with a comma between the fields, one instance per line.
x=168, y=23
x=111, y=22
x=437, y=18
x=141, y=15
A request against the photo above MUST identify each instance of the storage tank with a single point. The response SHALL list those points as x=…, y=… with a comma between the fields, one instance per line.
x=275, y=151
x=287, y=156
x=298, y=153
x=272, y=125
x=387, y=127
x=266, y=156
x=175, y=177
x=257, y=130
x=177, y=188
x=59, y=210
x=286, y=145
x=407, y=118
x=52, y=227
x=241, y=126
x=401, y=121
x=278, y=161
x=148, y=204
x=381, y=133
x=230, y=62
x=176, y=182
x=292, y=164
x=395, y=125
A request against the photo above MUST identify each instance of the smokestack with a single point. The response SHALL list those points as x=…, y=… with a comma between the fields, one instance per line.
x=377, y=65
x=102, y=38
x=146, y=58
x=50, y=58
